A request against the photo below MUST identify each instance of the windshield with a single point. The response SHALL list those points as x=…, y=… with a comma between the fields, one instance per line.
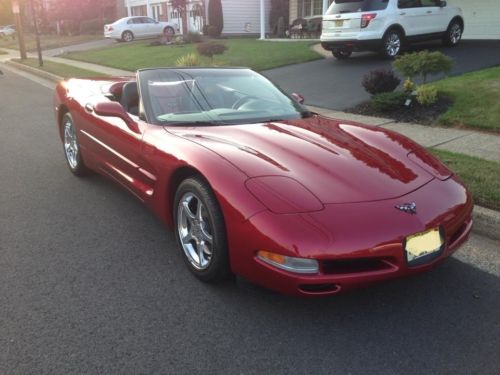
x=213, y=96
x=355, y=6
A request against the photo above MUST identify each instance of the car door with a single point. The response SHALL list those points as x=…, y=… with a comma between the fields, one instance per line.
x=117, y=149
x=436, y=19
x=411, y=17
x=151, y=26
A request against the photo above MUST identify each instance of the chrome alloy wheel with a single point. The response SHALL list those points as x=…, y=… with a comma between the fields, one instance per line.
x=393, y=45
x=70, y=144
x=455, y=33
x=195, y=231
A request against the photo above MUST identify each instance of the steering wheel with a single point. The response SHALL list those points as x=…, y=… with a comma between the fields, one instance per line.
x=237, y=104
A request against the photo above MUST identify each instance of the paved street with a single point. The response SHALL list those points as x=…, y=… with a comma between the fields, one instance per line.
x=334, y=84
x=91, y=282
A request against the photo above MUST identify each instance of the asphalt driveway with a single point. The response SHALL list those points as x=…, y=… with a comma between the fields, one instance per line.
x=334, y=84
x=91, y=282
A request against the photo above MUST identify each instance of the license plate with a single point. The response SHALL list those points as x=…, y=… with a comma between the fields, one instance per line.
x=422, y=244
x=339, y=23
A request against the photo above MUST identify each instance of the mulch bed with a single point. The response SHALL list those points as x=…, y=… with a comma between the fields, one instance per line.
x=415, y=113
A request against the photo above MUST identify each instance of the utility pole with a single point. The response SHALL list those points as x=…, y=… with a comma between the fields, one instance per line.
x=19, y=28
x=37, y=35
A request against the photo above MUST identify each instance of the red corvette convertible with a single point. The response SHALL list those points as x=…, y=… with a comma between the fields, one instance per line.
x=256, y=185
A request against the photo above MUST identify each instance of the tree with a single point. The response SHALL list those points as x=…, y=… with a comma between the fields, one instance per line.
x=215, y=17
x=279, y=8
x=181, y=7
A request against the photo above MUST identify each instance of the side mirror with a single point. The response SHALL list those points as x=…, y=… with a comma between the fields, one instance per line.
x=298, y=98
x=114, y=109
x=442, y=4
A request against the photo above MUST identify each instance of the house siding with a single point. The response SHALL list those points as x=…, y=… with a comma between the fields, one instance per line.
x=243, y=17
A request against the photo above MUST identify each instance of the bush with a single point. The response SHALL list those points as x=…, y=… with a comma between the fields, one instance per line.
x=210, y=49
x=388, y=101
x=409, y=85
x=192, y=37
x=215, y=18
x=380, y=80
x=423, y=63
x=427, y=95
x=93, y=26
x=190, y=59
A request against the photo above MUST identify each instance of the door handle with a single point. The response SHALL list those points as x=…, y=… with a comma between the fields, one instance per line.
x=89, y=107
x=429, y=11
x=402, y=14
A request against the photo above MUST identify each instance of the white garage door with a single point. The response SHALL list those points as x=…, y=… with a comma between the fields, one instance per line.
x=482, y=18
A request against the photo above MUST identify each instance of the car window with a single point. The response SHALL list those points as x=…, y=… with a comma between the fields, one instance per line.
x=137, y=20
x=148, y=20
x=215, y=96
x=429, y=3
x=131, y=21
x=404, y=4
x=354, y=6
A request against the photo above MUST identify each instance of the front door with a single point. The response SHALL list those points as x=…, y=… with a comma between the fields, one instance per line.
x=412, y=17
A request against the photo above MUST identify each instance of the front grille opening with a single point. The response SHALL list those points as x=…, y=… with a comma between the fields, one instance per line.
x=319, y=288
x=350, y=266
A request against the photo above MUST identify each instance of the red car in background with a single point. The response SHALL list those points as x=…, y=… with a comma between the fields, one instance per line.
x=254, y=184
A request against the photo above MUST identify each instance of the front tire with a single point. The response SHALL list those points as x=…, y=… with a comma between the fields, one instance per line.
x=392, y=43
x=127, y=36
x=341, y=53
x=72, y=147
x=453, y=34
x=200, y=230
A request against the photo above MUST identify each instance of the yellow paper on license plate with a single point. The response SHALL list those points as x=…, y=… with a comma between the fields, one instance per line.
x=423, y=243
x=339, y=23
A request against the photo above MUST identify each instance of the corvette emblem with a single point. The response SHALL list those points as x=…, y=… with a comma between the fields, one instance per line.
x=409, y=208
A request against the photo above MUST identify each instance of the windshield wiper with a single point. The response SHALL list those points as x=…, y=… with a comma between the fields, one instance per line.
x=193, y=123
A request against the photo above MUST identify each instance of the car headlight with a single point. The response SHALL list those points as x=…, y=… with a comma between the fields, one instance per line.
x=283, y=195
x=291, y=264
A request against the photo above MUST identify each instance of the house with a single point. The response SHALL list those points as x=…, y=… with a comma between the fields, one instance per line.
x=240, y=17
x=481, y=16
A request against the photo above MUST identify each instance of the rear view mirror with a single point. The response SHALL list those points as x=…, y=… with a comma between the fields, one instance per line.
x=114, y=109
x=298, y=98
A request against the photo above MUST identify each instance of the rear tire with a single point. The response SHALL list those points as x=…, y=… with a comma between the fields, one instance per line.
x=168, y=31
x=453, y=35
x=341, y=53
x=71, y=146
x=392, y=44
x=127, y=36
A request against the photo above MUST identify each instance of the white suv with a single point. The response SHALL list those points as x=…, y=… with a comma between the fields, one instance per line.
x=386, y=25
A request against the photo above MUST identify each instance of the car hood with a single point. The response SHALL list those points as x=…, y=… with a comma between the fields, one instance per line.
x=338, y=162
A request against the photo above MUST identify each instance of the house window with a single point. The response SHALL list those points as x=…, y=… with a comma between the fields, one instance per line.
x=309, y=8
x=157, y=11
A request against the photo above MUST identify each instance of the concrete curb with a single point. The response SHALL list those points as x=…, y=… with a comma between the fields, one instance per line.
x=40, y=73
x=486, y=221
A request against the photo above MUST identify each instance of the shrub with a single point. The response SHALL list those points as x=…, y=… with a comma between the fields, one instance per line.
x=192, y=37
x=409, y=85
x=388, y=101
x=379, y=81
x=427, y=95
x=423, y=63
x=210, y=49
x=212, y=31
x=191, y=59
x=93, y=26
x=215, y=17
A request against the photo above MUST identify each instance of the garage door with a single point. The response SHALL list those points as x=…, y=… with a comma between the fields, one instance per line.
x=482, y=18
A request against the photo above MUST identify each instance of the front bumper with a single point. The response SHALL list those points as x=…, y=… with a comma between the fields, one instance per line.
x=356, y=244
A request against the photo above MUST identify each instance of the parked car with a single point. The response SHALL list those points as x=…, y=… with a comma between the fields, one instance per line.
x=7, y=30
x=254, y=184
x=130, y=28
x=387, y=25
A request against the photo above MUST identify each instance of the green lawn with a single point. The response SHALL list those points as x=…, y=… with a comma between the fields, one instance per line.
x=477, y=100
x=258, y=55
x=63, y=70
x=47, y=41
x=481, y=176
